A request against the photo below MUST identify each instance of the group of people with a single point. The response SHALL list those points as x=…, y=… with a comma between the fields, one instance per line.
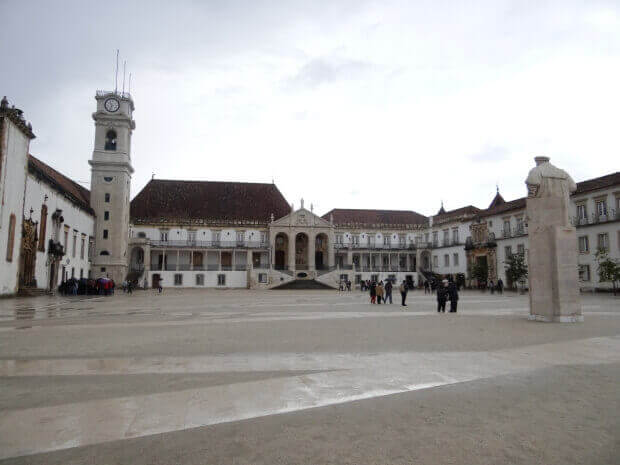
x=383, y=292
x=447, y=290
x=84, y=286
x=493, y=287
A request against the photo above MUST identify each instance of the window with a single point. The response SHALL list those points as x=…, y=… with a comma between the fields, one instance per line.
x=262, y=278
x=455, y=259
x=74, y=242
x=371, y=241
x=436, y=238
x=584, y=272
x=582, y=213
x=11, y=239
x=387, y=239
x=402, y=239
x=216, y=236
x=374, y=278
x=106, y=197
x=102, y=269
x=104, y=252
x=106, y=216
x=603, y=241
x=163, y=236
x=506, y=228
x=520, y=226
x=446, y=260
x=221, y=280
x=508, y=251
x=108, y=178
x=178, y=279
x=446, y=236
x=110, y=140
x=584, y=245
x=105, y=233
x=521, y=249
x=355, y=239
x=427, y=237
x=240, y=237
x=82, y=246
x=435, y=261
x=338, y=238
x=142, y=235
x=72, y=272
x=200, y=279
x=455, y=235
x=601, y=208
x=81, y=273
x=42, y=228
x=66, y=239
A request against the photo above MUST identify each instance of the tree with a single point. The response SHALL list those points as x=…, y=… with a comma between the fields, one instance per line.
x=608, y=268
x=516, y=268
x=480, y=272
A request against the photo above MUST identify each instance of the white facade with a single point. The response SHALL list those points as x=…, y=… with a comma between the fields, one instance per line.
x=15, y=138
x=75, y=233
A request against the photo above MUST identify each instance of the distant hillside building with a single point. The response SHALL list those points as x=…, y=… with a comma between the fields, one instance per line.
x=244, y=235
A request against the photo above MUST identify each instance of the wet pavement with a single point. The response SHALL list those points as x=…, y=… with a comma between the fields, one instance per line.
x=79, y=373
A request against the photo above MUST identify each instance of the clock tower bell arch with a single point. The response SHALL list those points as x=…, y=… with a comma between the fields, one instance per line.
x=110, y=183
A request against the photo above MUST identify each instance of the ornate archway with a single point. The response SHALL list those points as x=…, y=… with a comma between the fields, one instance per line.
x=301, y=251
x=28, y=254
x=321, y=251
x=281, y=251
x=137, y=259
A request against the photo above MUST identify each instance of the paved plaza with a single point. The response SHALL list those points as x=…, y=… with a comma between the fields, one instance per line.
x=315, y=377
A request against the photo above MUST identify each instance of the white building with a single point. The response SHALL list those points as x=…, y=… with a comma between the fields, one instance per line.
x=245, y=235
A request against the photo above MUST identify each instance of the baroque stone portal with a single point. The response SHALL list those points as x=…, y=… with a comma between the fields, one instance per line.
x=552, y=255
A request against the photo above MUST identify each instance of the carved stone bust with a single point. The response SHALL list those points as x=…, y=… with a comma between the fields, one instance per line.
x=546, y=180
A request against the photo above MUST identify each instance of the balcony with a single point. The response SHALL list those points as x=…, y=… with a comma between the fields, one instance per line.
x=210, y=244
x=612, y=215
x=375, y=246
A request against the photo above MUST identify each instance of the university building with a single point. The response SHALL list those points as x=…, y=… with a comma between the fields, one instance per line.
x=244, y=235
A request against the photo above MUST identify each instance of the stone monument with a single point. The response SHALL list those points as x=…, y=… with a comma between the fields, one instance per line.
x=552, y=255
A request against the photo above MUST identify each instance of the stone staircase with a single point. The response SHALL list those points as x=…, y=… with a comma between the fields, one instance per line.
x=28, y=291
x=303, y=284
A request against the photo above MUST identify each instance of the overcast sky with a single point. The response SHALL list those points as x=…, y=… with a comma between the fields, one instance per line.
x=351, y=104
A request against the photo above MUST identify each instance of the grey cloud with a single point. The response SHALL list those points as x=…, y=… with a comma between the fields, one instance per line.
x=324, y=70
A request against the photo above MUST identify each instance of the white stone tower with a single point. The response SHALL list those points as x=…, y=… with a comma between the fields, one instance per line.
x=110, y=183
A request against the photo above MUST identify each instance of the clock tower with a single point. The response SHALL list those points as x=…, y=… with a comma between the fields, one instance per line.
x=110, y=183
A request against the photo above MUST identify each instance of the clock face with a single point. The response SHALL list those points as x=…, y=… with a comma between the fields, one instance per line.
x=112, y=104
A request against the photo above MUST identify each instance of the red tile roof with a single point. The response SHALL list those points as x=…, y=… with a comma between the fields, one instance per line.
x=169, y=201
x=598, y=183
x=75, y=193
x=456, y=214
x=344, y=216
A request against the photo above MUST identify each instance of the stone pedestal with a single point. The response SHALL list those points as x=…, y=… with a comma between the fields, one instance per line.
x=552, y=262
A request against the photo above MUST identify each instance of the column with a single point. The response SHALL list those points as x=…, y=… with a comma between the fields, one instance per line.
x=147, y=259
x=311, y=252
x=291, y=252
x=191, y=260
x=219, y=264
x=349, y=256
x=330, y=253
x=163, y=260
x=178, y=256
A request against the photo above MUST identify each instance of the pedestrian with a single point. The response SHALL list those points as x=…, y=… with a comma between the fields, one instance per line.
x=403, y=293
x=380, y=290
x=426, y=287
x=491, y=286
x=442, y=296
x=129, y=287
x=373, y=292
x=388, y=291
x=453, y=294
x=146, y=284
x=500, y=286
x=349, y=285
x=74, y=287
x=159, y=288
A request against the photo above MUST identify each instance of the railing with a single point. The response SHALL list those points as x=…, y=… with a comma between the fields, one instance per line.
x=510, y=234
x=211, y=244
x=103, y=93
x=612, y=215
x=374, y=246
x=261, y=266
x=136, y=267
x=213, y=267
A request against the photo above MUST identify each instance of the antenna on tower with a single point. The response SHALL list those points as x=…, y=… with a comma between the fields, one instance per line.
x=124, y=66
x=116, y=75
x=129, y=90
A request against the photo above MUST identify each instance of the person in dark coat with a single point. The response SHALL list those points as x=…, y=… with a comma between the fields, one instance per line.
x=453, y=294
x=403, y=292
x=373, y=292
x=388, y=291
x=442, y=297
x=427, y=289
x=500, y=286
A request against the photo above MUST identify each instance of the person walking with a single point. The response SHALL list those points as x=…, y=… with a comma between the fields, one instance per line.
x=426, y=287
x=442, y=296
x=453, y=294
x=159, y=288
x=388, y=291
x=492, y=286
x=373, y=292
x=380, y=291
x=500, y=286
x=403, y=293
x=130, y=287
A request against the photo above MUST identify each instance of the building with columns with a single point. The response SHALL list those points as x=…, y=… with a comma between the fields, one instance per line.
x=177, y=233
